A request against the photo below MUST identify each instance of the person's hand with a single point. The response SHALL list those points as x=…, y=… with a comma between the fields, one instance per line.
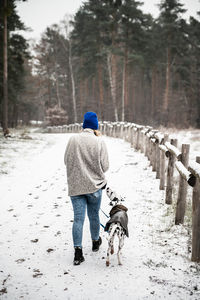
x=97, y=132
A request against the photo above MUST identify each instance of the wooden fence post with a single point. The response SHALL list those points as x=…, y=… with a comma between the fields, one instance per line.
x=129, y=134
x=113, y=130
x=182, y=192
x=154, y=158
x=196, y=219
x=118, y=130
x=157, y=161
x=151, y=152
x=170, y=173
x=121, y=131
x=142, y=141
x=138, y=139
x=146, y=146
x=125, y=132
x=132, y=136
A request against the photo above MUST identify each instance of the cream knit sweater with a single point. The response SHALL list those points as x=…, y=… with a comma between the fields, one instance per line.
x=86, y=160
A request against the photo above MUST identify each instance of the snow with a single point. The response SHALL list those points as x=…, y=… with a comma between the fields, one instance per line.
x=187, y=136
x=36, y=216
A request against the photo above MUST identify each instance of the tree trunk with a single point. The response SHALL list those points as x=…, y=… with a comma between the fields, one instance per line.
x=112, y=71
x=57, y=89
x=167, y=82
x=73, y=84
x=14, y=120
x=49, y=94
x=153, y=92
x=93, y=102
x=101, y=95
x=5, y=71
x=81, y=96
x=124, y=85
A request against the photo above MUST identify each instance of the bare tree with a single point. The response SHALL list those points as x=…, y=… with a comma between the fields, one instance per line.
x=66, y=26
x=5, y=71
x=112, y=70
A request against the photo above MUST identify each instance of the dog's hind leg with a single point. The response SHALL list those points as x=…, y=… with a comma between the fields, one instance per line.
x=111, y=245
x=108, y=257
x=121, y=244
x=108, y=252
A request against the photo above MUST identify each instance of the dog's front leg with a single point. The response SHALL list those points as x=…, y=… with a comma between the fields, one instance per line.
x=121, y=244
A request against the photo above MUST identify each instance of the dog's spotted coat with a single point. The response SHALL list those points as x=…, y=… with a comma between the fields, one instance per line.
x=115, y=229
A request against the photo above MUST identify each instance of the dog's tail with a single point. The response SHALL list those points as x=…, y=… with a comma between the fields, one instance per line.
x=114, y=226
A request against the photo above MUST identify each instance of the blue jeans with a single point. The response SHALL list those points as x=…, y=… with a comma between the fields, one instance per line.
x=79, y=203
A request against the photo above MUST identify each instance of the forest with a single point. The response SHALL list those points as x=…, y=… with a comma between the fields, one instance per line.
x=110, y=58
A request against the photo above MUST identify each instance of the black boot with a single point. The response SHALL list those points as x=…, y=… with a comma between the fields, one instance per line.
x=96, y=245
x=78, y=256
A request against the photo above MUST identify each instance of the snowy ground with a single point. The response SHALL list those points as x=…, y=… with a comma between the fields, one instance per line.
x=36, y=217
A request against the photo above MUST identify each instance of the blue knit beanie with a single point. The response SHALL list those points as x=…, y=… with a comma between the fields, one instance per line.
x=90, y=120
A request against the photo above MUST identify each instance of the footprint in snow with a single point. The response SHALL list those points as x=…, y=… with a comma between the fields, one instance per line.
x=57, y=233
x=37, y=187
x=20, y=260
x=34, y=241
x=37, y=273
x=3, y=291
x=50, y=250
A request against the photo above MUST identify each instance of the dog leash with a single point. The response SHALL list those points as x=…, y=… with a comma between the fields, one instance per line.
x=104, y=213
x=106, y=216
x=102, y=225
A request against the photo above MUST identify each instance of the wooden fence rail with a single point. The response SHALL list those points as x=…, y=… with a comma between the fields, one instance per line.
x=164, y=157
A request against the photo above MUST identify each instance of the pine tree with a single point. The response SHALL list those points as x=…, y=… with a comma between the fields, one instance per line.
x=53, y=68
x=5, y=69
x=15, y=51
x=172, y=32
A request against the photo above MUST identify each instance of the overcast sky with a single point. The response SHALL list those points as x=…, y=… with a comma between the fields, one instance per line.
x=38, y=14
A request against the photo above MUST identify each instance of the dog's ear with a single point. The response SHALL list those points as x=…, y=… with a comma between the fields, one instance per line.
x=122, y=207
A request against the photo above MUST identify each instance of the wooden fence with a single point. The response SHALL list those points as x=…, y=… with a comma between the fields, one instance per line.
x=164, y=157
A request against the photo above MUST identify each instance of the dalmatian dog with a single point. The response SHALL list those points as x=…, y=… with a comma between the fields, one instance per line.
x=117, y=225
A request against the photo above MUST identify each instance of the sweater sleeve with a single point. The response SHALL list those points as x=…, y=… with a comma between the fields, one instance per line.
x=66, y=152
x=104, y=157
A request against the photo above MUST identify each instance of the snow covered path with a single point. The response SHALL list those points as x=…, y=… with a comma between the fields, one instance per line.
x=36, y=217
